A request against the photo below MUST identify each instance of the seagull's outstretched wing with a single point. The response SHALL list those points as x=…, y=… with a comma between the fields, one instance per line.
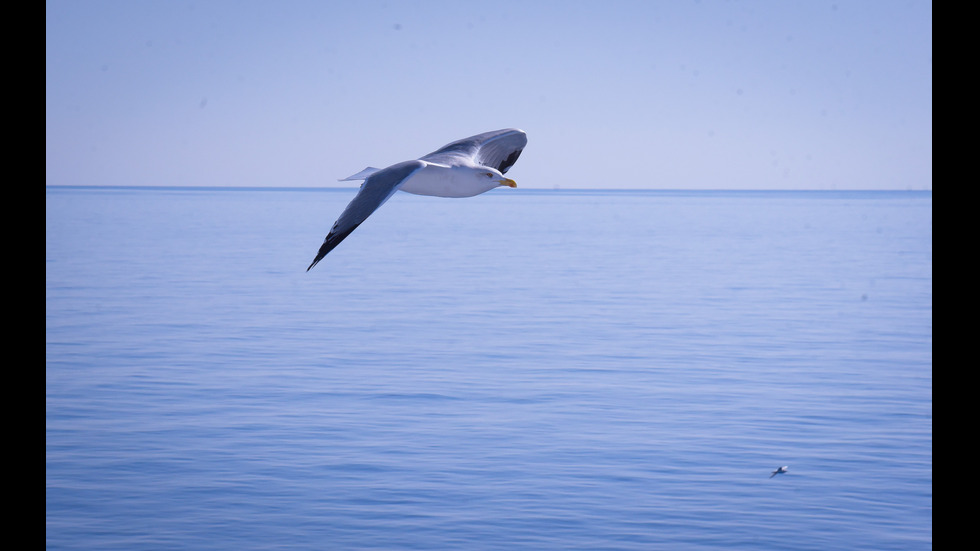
x=375, y=190
x=498, y=149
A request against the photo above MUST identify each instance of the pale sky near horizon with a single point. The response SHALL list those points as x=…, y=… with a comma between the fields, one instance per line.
x=678, y=94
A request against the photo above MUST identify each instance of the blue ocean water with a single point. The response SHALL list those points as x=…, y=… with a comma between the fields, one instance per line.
x=526, y=369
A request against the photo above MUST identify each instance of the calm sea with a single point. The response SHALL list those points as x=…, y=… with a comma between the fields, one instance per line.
x=615, y=370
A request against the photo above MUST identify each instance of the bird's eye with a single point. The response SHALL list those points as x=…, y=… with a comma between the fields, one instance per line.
x=489, y=174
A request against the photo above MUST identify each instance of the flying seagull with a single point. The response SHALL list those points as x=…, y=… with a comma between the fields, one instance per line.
x=780, y=470
x=463, y=168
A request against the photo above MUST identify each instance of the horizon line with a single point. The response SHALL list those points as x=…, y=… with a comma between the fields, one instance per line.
x=347, y=188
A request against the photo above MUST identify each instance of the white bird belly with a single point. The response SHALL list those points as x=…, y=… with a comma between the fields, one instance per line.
x=442, y=181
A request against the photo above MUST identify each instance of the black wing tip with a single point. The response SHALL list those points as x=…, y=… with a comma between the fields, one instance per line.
x=509, y=161
x=324, y=249
x=319, y=256
x=332, y=240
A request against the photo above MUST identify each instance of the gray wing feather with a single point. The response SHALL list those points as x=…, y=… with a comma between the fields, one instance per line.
x=498, y=149
x=375, y=190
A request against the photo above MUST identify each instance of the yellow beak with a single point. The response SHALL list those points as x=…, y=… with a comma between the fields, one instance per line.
x=508, y=182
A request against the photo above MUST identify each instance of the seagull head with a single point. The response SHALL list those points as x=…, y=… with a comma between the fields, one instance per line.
x=493, y=175
x=467, y=181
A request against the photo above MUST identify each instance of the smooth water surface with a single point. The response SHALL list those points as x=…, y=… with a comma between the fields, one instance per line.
x=520, y=370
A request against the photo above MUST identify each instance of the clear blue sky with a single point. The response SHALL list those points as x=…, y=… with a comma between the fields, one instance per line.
x=675, y=94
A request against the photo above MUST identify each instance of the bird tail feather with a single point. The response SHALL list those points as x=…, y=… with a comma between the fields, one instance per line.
x=362, y=175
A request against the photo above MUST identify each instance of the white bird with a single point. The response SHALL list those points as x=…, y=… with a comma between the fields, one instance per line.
x=463, y=168
x=780, y=470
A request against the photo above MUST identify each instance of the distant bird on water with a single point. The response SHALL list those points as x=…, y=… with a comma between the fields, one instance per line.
x=463, y=168
x=780, y=470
